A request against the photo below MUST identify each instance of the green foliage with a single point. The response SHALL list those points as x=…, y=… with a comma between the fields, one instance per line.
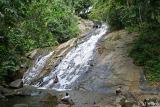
x=79, y=5
x=30, y=24
x=146, y=52
x=108, y=12
x=126, y=13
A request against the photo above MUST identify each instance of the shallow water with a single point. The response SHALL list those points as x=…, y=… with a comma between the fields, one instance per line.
x=31, y=101
x=80, y=98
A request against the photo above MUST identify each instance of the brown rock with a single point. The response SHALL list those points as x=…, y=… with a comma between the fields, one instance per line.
x=32, y=54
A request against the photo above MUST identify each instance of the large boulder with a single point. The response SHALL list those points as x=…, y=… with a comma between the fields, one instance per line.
x=16, y=84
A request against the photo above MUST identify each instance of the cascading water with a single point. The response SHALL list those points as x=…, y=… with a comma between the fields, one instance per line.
x=73, y=66
x=36, y=69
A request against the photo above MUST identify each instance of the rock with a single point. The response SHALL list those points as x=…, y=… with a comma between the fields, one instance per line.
x=85, y=26
x=95, y=106
x=126, y=103
x=123, y=102
x=4, y=92
x=49, y=97
x=2, y=96
x=48, y=100
x=63, y=48
x=63, y=105
x=23, y=65
x=120, y=99
x=32, y=54
x=20, y=105
x=17, y=83
x=97, y=24
x=152, y=104
x=3, y=84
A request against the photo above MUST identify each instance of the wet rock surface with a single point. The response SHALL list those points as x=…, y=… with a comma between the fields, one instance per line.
x=113, y=68
x=63, y=105
x=16, y=84
x=48, y=100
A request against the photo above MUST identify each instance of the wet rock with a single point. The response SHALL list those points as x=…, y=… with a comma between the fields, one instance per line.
x=120, y=99
x=126, y=103
x=120, y=69
x=20, y=105
x=4, y=90
x=3, y=84
x=123, y=102
x=63, y=105
x=151, y=102
x=97, y=24
x=16, y=84
x=96, y=106
x=85, y=26
x=49, y=100
x=2, y=96
x=65, y=47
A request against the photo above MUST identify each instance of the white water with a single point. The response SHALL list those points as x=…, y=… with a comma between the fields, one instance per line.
x=86, y=10
x=71, y=69
x=75, y=64
x=36, y=69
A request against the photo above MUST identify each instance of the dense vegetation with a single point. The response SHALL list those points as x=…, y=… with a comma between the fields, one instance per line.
x=30, y=24
x=142, y=16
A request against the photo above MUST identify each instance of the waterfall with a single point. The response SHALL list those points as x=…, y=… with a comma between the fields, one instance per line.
x=87, y=10
x=36, y=69
x=73, y=66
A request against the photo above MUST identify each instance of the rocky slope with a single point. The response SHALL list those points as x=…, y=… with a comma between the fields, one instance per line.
x=113, y=68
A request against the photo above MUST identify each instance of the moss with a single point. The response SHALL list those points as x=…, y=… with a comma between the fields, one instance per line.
x=146, y=52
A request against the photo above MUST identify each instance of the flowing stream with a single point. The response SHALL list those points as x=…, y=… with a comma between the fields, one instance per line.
x=72, y=68
x=36, y=69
